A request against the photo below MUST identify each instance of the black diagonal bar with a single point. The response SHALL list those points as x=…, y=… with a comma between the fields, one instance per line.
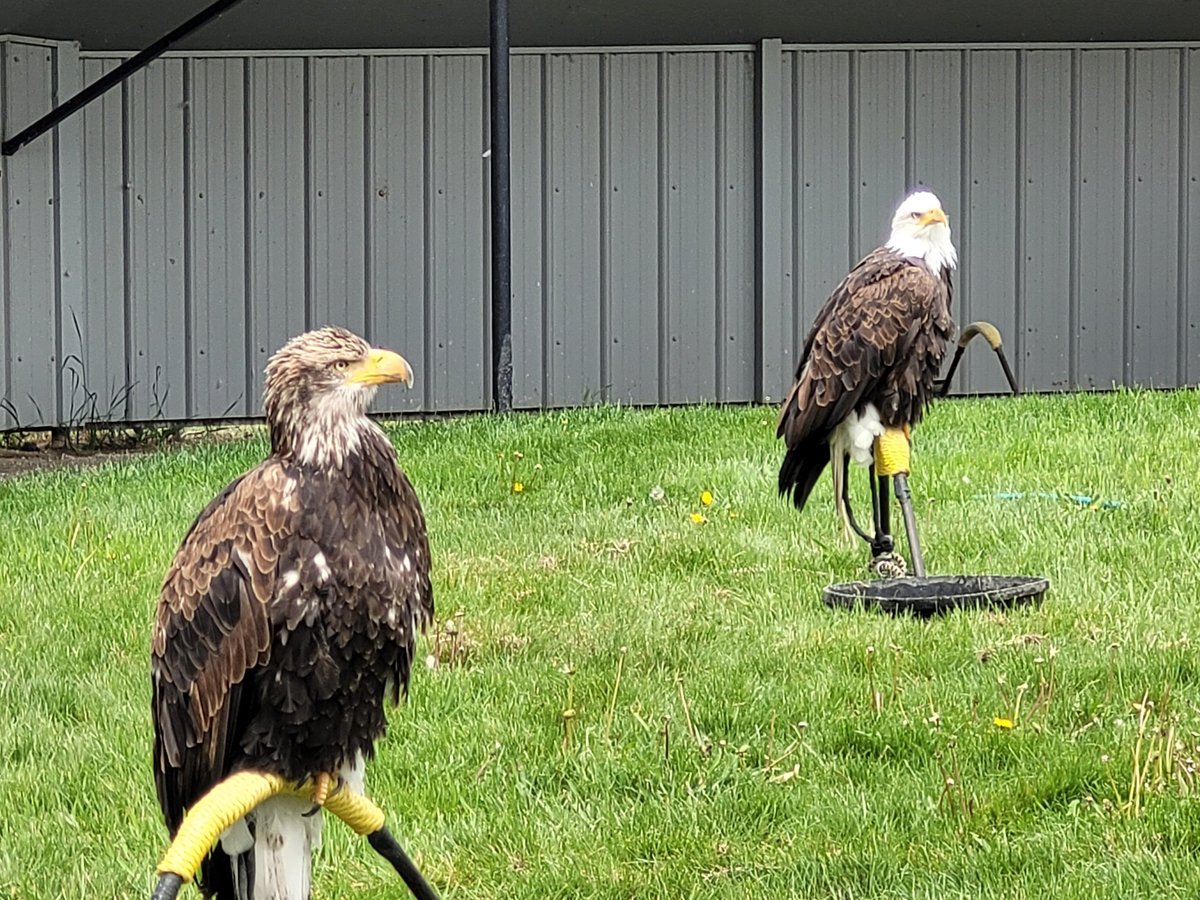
x=116, y=76
x=501, y=210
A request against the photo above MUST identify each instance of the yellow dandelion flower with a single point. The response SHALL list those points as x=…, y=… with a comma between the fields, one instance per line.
x=518, y=487
x=706, y=498
x=698, y=518
x=1002, y=723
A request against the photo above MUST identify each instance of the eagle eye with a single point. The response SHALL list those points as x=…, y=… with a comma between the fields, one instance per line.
x=916, y=215
x=341, y=365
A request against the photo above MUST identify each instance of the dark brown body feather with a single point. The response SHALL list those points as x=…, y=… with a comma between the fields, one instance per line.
x=880, y=339
x=289, y=611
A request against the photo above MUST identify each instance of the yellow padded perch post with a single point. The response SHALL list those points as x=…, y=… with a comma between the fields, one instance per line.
x=240, y=793
x=892, y=452
x=893, y=457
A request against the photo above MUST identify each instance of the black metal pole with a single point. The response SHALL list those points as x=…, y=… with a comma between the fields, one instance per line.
x=501, y=210
x=910, y=523
x=116, y=76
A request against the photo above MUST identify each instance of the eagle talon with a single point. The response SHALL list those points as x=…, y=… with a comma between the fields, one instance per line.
x=888, y=565
x=323, y=785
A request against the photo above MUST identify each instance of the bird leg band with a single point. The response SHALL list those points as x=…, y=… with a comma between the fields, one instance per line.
x=892, y=452
x=240, y=793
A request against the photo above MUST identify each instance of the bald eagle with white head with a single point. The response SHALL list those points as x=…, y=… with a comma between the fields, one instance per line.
x=289, y=615
x=871, y=359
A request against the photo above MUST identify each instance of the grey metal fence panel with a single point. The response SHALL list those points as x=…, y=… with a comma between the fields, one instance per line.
x=180, y=229
x=821, y=187
x=937, y=154
x=1101, y=239
x=73, y=402
x=1189, y=326
x=31, y=336
x=987, y=243
x=633, y=238
x=396, y=236
x=527, y=139
x=878, y=160
x=6, y=420
x=278, y=217
x=336, y=192
x=1045, y=223
x=935, y=130
x=772, y=235
x=735, y=350
x=216, y=230
x=572, y=236
x=459, y=286
x=95, y=355
x=1153, y=300
x=689, y=224
x=158, y=293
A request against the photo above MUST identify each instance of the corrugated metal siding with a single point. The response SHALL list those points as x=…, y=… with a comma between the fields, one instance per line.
x=397, y=198
x=277, y=212
x=527, y=139
x=99, y=345
x=158, y=199
x=1070, y=178
x=1044, y=237
x=670, y=245
x=1100, y=222
x=625, y=287
x=458, y=288
x=571, y=236
x=31, y=304
x=632, y=239
x=1189, y=310
x=216, y=229
x=337, y=192
x=1154, y=154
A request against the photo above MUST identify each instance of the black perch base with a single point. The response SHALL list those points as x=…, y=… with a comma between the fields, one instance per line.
x=930, y=596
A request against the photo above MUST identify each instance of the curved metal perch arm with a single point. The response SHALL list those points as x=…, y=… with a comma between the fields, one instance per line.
x=238, y=794
x=992, y=335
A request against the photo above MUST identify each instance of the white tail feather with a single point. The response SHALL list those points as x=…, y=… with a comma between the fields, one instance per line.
x=284, y=841
x=853, y=437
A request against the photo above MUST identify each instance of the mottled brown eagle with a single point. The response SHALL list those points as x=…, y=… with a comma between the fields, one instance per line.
x=871, y=359
x=290, y=613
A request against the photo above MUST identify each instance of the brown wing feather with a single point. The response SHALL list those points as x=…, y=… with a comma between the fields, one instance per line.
x=879, y=338
x=243, y=597
x=211, y=629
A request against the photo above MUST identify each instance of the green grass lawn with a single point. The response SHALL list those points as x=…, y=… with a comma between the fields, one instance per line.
x=757, y=745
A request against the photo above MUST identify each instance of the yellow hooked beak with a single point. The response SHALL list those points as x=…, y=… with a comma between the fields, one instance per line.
x=380, y=367
x=934, y=215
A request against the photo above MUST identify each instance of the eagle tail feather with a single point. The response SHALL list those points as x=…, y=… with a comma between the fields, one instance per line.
x=802, y=467
x=274, y=864
x=284, y=841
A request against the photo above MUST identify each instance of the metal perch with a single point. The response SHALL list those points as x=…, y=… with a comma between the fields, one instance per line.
x=992, y=335
x=921, y=595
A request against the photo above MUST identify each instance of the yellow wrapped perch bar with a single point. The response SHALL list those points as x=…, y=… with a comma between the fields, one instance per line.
x=213, y=813
x=892, y=452
x=240, y=793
